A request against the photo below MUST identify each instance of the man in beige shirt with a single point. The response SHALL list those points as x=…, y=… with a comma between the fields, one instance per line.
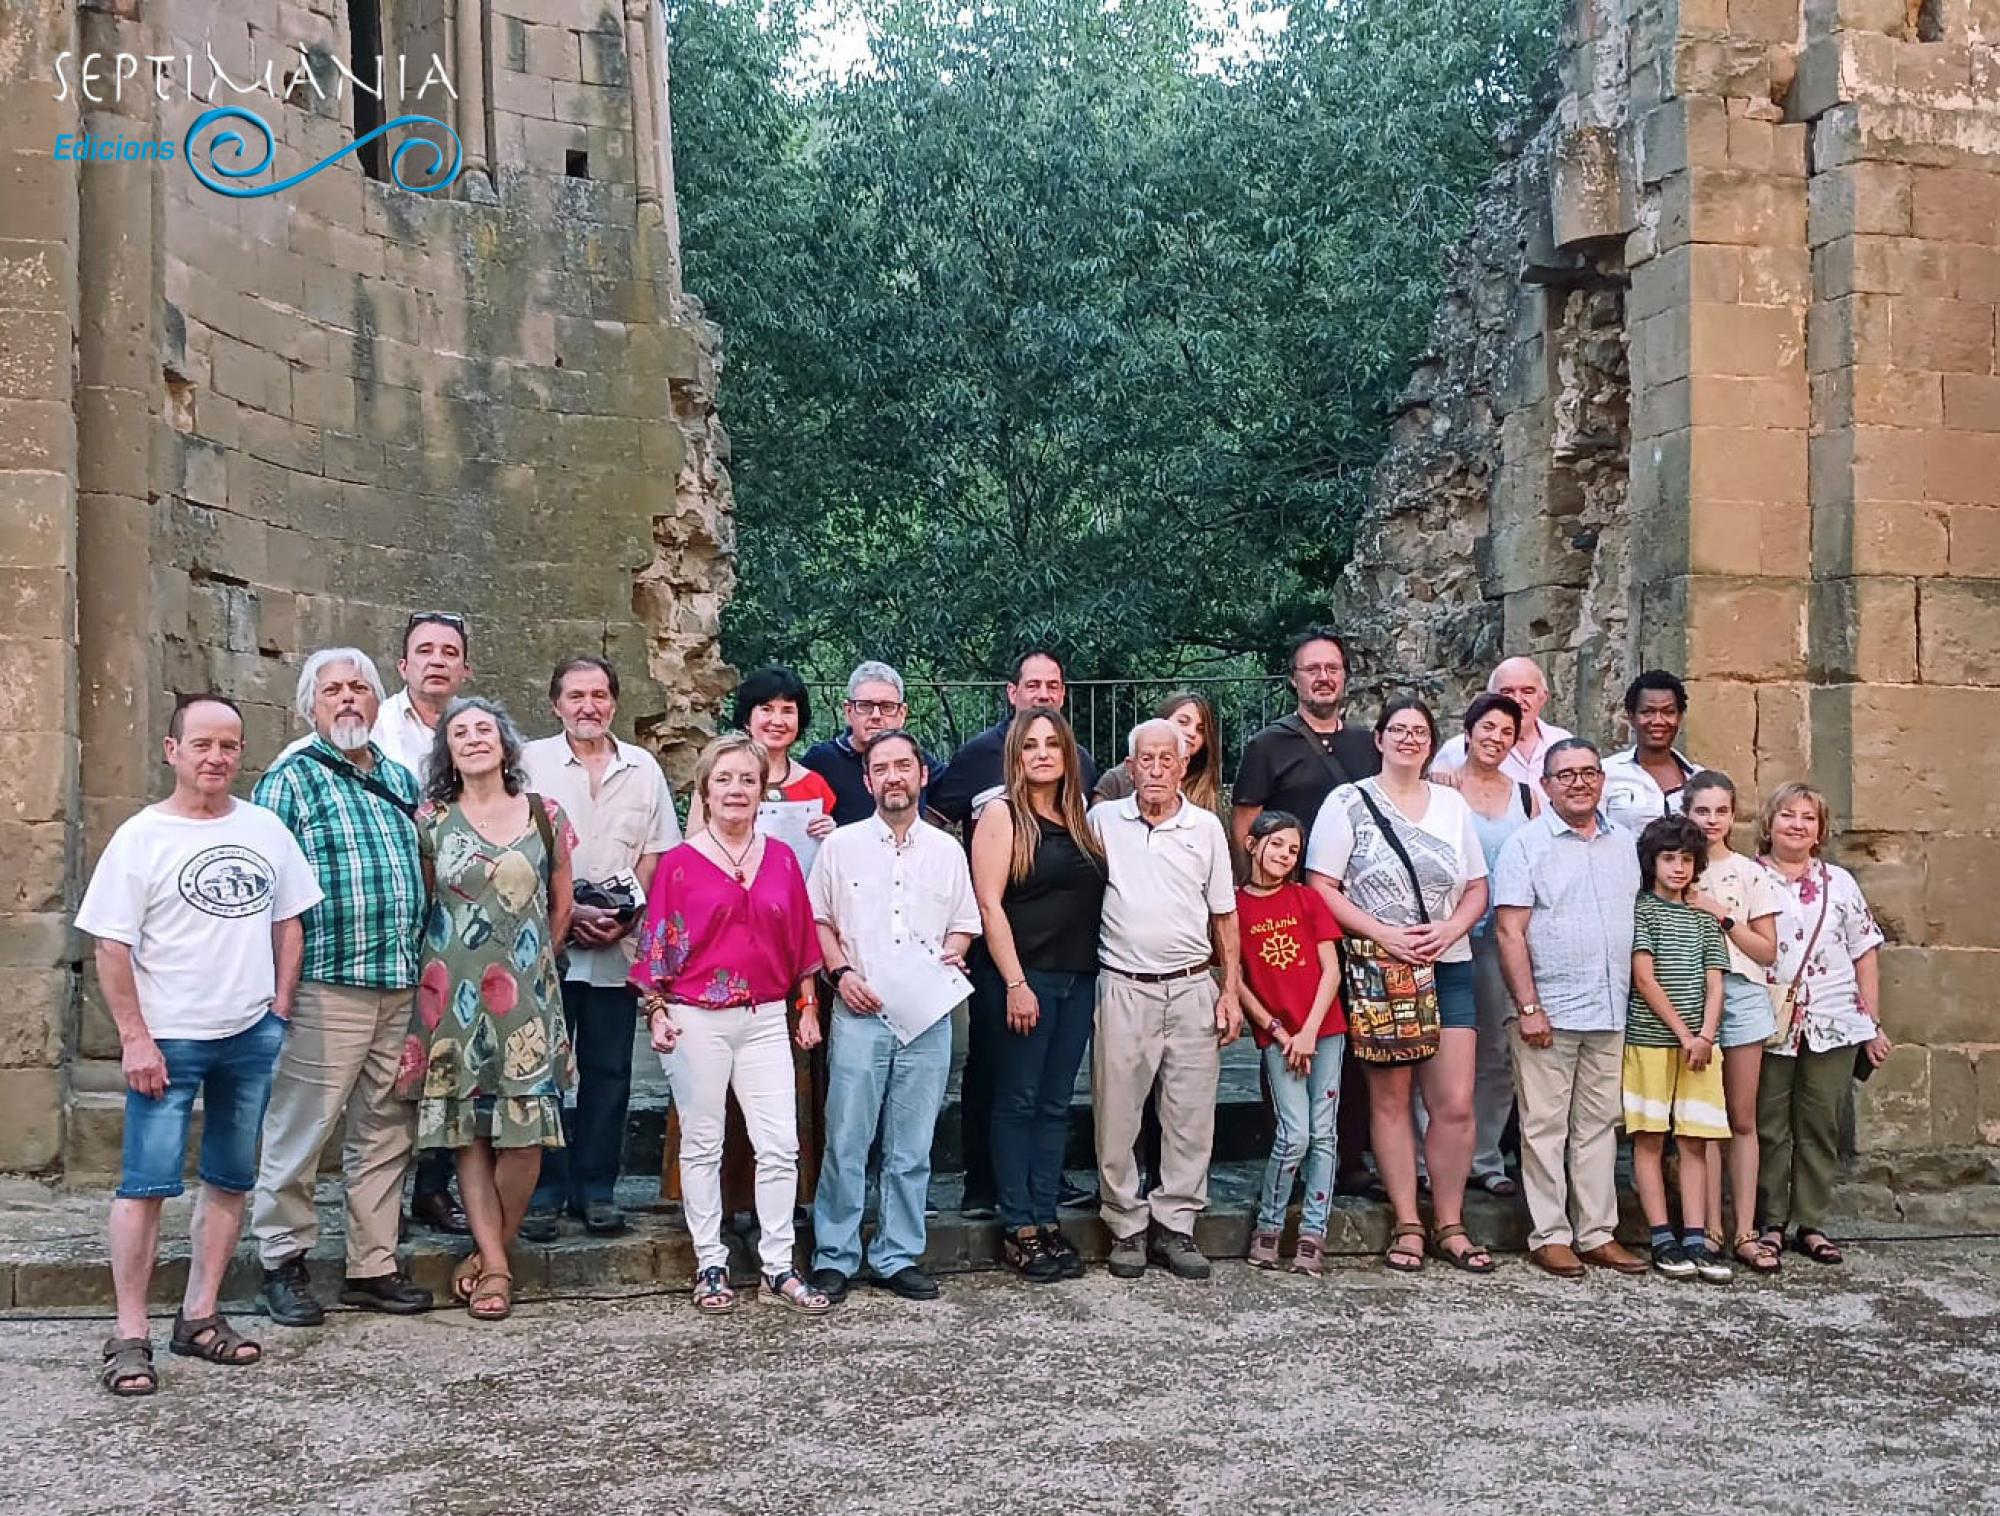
x=617, y=799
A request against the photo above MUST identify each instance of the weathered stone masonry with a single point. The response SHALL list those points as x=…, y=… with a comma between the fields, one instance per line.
x=1716, y=390
x=233, y=430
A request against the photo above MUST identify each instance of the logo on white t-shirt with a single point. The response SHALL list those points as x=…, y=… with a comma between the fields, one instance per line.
x=227, y=881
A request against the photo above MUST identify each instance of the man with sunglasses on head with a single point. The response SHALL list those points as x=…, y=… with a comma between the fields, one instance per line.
x=875, y=704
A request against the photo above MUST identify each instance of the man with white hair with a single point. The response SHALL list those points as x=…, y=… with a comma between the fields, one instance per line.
x=875, y=704
x=1169, y=912
x=351, y=809
x=1521, y=680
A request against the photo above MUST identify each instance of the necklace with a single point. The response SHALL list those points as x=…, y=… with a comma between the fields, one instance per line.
x=735, y=859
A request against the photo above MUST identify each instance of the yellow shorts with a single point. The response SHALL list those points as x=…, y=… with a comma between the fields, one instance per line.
x=1662, y=1094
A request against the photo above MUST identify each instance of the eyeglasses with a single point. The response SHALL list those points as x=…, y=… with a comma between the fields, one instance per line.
x=1406, y=734
x=875, y=707
x=1574, y=777
x=1315, y=670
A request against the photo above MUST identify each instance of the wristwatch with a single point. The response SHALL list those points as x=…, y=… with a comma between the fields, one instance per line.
x=836, y=975
x=1532, y=1008
x=1728, y=925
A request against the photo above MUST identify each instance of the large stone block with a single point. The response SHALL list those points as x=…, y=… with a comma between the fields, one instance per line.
x=1859, y=199
x=1743, y=464
x=1938, y=994
x=1892, y=869
x=1960, y=868
x=1951, y=336
x=1893, y=1110
x=1864, y=629
x=1745, y=628
x=31, y=1119
x=1923, y=758
x=37, y=519
x=34, y=1008
x=1955, y=205
x=1961, y=631
x=1973, y=535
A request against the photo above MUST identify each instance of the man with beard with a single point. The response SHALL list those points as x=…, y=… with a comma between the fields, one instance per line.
x=351, y=809
x=617, y=800
x=1293, y=765
x=891, y=887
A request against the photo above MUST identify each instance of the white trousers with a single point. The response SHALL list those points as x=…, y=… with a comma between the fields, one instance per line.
x=746, y=1049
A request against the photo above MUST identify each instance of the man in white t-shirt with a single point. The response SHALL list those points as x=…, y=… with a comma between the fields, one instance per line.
x=617, y=798
x=1522, y=681
x=1169, y=911
x=195, y=906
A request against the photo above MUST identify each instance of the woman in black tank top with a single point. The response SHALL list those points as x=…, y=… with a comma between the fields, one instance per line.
x=1039, y=876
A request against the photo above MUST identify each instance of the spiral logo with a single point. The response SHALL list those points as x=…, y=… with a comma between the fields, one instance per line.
x=219, y=155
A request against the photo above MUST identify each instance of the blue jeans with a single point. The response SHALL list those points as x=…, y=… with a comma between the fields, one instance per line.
x=233, y=1077
x=1308, y=1110
x=602, y=1022
x=873, y=1079
x=1034, y=1078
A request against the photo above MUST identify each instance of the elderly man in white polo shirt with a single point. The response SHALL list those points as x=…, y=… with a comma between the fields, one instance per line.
x=886, y=889
x=1169, y=911
x=1521, y=680
x=617, y=799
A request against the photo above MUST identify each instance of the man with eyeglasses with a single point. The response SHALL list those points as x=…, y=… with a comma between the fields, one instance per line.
x=875, y=704
x=1563, y=891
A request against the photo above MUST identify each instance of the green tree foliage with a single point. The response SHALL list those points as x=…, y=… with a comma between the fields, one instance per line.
x=1047, y=325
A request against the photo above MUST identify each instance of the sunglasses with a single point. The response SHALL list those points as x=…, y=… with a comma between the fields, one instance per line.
x=442, y=618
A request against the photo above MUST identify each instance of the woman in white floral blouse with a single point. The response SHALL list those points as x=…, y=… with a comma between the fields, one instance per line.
x=1827, y=944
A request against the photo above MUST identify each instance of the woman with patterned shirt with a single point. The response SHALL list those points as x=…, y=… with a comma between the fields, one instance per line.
x=728, y=940
x=1827, y=946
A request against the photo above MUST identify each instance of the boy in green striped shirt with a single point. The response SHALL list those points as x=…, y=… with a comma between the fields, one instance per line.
x=1673, y=1080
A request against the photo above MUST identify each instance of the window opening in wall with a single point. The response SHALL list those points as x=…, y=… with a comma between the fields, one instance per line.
x=364, y=35
x=1930, y=20
x=576, y=163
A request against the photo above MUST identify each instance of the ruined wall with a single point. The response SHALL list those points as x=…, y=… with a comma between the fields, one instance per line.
x=237, y=429
x=1715, y=389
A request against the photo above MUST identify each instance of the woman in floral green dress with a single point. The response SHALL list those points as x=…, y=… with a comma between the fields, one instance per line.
x=488, y=1056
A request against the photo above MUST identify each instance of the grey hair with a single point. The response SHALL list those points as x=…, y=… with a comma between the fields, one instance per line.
x=870, y=671
x=1568, y=745
x=1155, y=724
x=445, y=785
x=325, y=659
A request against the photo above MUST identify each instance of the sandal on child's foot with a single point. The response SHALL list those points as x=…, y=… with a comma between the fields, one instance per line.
x=1311, y=1255
x=1263, y=1250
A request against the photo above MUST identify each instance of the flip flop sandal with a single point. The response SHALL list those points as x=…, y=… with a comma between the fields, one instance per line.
x=465, y=1278
x=1755, y=1254
x=214, y=1340
x=1822, y=1251
x=1403, y=1260
x=712, y=1294
x=487, y=1290
x=128, y=1366
x=1464, y=1259
x=792, y=1292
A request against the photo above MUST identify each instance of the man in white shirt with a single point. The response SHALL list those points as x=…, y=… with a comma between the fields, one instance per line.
x=1169, y=910
x=887, y=893
x=617, y=798
x=195, y=906
x=1522, y=681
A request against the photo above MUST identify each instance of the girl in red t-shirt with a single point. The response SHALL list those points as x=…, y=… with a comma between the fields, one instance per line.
x=1291, y=990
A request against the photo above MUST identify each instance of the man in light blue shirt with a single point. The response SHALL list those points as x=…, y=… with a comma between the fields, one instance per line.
x=1563, y=889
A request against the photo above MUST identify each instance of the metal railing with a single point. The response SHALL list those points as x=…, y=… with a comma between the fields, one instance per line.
x=943, y=713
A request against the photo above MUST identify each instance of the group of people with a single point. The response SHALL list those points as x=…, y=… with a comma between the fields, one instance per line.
x=439, y=934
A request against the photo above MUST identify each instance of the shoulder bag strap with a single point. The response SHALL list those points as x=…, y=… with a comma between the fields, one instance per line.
x=1389, y=832
x=368, y=782
x=547, y=832
x=1527, y=798
x=1296, y=724
x=1825, y=899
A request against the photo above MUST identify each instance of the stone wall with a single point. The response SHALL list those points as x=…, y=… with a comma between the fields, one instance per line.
x=1715, y=389
x=232, y=430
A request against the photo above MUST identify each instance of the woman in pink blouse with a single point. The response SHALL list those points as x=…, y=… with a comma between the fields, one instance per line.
x=728, y=940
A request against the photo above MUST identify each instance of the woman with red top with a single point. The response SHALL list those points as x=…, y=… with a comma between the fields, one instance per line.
x=1291, y=992
x=773, y=706
x=728, y=940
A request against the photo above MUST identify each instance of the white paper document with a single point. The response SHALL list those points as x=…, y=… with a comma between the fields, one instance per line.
x=786, y=821
x=917, y=992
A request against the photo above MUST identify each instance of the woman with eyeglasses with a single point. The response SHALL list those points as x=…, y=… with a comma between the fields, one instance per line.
x=1398, y=860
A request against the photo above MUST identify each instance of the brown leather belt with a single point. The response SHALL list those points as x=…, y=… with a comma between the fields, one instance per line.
x=1188, y=973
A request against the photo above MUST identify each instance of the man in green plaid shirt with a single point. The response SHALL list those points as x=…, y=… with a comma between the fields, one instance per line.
x=351, y=809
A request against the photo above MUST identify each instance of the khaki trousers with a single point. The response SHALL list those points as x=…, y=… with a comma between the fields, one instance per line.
x=1798, y=1135
x=1569, y=1098
x=340, y=1059
x=1147, y=1034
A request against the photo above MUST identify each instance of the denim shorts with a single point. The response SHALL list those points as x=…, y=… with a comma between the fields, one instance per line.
x=1747, y=1013
x=233, y=1077
x=1456, y=1006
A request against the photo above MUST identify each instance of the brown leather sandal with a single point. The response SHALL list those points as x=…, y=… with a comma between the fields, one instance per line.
x=494, y=1285
x=1471, y=1259
x=1405, y=1260
x=214, y=1340
x=465, y=1278
x=128, y=1366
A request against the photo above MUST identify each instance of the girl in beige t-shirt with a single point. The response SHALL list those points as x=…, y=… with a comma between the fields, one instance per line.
x=1741, y=894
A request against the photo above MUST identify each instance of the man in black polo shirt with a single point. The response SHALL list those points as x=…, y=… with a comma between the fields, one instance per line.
x=1293, y=765
x=875, y=704
x=973, y=776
